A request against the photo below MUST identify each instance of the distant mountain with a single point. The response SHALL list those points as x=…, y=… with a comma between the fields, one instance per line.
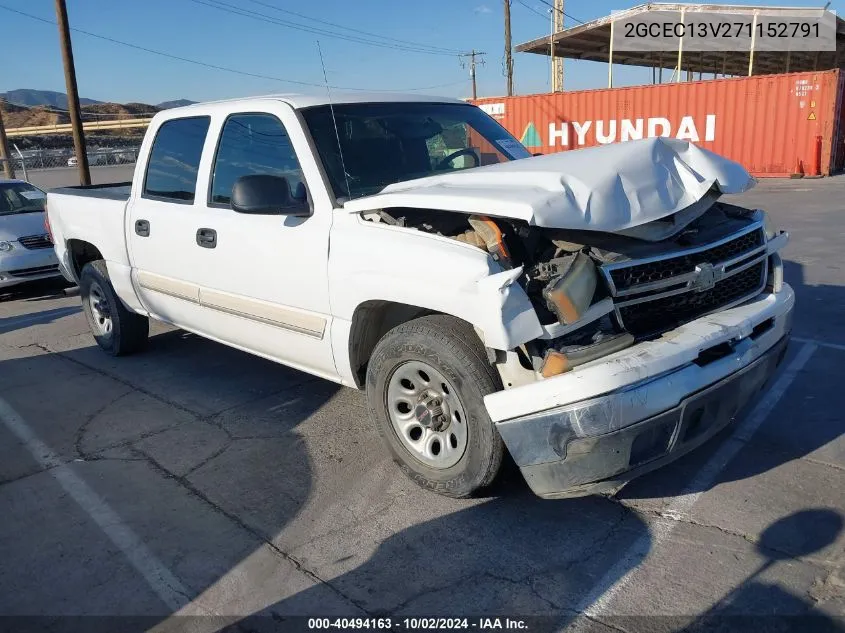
x=176, y=103
x=28, y=97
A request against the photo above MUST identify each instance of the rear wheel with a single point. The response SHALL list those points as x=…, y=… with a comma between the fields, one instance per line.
x=426, y=383
x=117, y=330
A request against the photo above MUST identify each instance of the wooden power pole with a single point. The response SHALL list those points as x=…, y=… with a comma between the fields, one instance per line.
x=72, y=94
x=557, y=62
x=508, y=51
x=472, y=64
x=5, y=157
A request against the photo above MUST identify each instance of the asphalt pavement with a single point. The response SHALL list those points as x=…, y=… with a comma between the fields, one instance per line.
x=197, y=480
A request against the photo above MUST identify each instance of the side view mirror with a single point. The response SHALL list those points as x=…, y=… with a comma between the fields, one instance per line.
x=263, y=194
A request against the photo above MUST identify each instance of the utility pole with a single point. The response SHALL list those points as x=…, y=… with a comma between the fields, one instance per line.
x=472, y=63
x=557, y=62
x=72, y=94
x=5, y=157
x=508, y=51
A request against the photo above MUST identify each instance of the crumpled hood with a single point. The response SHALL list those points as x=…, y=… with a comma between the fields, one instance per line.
x=607, y=188
x=18, y=225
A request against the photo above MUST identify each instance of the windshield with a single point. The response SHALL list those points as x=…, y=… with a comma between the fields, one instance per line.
x=384, y=143
x=20, y=197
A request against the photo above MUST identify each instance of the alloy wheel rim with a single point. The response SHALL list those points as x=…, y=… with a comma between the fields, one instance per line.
x=427, y=415
x=100, y=310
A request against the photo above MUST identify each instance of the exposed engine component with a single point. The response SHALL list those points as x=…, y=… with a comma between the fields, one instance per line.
x=494, y=241
x=570, y=292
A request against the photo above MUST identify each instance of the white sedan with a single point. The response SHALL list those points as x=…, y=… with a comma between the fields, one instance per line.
x=26, y=250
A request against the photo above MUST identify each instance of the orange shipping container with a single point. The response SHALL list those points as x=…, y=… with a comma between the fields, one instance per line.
x=774, y=125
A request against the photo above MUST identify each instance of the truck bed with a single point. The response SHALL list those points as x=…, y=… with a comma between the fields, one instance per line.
x=109, y=191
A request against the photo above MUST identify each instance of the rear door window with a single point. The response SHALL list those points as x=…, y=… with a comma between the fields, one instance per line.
x=253, y=143
x=175, y=159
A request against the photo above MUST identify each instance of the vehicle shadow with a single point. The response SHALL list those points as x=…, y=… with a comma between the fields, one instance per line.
x=35, y=290
x=510, y=554
x=758, y=603
x=808, y=398
x=10, y=324
x=228, y=468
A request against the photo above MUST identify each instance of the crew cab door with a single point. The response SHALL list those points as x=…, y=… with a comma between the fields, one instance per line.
x=258, y=282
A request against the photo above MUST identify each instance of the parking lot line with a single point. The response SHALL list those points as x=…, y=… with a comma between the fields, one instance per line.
x=160, y=579
x=597, y=602
x=836, y=346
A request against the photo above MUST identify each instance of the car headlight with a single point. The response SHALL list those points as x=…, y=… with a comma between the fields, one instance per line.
x=769, y=226
x=570, y=294
x=5, y=247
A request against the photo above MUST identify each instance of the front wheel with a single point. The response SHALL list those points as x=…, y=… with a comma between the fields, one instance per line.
x=426, y=383
x=116, y=329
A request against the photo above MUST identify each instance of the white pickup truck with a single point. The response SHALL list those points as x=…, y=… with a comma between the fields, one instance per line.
x=596, y=313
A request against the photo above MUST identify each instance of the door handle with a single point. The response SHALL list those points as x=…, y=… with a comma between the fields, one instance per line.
x=207, y=238
x=142, y=228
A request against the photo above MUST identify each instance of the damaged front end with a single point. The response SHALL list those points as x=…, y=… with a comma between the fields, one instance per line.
x=649, y=346
x=662, y=310
x=598, y=293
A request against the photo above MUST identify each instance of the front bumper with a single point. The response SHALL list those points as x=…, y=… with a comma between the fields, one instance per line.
x=22, y=265
x=665, y=398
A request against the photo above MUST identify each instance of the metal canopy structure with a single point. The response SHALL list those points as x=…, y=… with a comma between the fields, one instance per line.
x=592, y=41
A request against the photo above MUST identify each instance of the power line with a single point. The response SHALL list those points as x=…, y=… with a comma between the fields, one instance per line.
x=349, y=28
x=214, y=66
x=571, y=17
x=530, y=8
x=263, y=17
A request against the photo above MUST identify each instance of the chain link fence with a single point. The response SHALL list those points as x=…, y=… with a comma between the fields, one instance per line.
x=33, y=159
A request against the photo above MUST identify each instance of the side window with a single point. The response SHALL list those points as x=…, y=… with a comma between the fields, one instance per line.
x=253, y=144
x=175, y=159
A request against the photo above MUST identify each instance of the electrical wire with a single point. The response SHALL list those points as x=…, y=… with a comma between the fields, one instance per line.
x=532, y=9
x=349, y=28
x=265, y=18
x=571, y=17
x=215, y=66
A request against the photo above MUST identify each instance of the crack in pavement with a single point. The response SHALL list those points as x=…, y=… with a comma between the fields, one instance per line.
x=68, y=462
x=275, y=549
x=80, y=432
x=686, y=520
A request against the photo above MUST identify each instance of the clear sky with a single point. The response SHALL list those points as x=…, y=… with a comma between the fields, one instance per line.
x=264, y=46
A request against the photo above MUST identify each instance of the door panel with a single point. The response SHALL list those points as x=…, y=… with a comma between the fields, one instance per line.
x=258, y=282
x=162, y=219
x=273, y=268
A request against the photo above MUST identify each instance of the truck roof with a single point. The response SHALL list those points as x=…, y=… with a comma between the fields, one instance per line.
x=298, y=101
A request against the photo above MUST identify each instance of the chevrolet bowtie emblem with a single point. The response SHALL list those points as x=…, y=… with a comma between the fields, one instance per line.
x=706, y=276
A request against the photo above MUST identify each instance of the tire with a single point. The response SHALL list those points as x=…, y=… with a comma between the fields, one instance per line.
x=448, y=353
x=118, y=331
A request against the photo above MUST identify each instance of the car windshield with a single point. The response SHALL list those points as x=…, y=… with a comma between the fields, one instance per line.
x=384, y=143
x=20, y=197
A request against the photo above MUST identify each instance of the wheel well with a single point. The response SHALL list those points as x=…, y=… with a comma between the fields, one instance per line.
x=82, y=253
x=371, y=321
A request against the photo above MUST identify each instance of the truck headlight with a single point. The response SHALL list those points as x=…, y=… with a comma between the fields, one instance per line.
x=571, y=293
x=5, y=247
x=769, y=226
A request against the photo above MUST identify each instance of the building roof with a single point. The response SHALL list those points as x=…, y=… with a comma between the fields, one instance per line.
x=591, y=41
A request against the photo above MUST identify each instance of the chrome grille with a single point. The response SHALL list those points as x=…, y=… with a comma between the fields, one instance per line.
x=669, y=312
x=33, y=242
x=660, y=269
x=660, y=293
